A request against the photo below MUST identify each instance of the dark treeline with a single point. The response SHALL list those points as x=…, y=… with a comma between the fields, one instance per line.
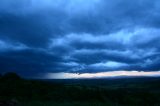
x=138, y=92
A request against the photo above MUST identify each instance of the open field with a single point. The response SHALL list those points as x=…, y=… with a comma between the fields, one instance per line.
x=85, y=92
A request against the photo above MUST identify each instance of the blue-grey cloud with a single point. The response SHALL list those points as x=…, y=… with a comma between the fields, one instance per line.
x=79, y=36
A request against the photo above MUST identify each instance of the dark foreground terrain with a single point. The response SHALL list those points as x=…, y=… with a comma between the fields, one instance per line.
x=15, y=91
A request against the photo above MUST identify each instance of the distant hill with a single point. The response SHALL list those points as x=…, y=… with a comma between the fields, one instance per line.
x=10, y=76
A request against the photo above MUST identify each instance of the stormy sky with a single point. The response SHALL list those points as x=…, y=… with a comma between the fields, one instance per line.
x=79, y=36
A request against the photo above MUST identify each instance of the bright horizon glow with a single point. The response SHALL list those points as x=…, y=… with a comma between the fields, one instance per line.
x=63, y=75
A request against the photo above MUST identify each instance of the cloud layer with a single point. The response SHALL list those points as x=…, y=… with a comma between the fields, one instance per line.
x=79, y=36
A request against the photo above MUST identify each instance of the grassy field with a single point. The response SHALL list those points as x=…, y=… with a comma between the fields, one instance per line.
x=93, y=92
x=38, y=103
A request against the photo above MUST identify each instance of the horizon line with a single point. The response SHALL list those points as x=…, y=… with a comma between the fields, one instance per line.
x=109, y=74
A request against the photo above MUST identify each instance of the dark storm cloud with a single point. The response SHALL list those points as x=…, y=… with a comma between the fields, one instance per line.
x=29, y=61
x=24, y=30
x=79, y=35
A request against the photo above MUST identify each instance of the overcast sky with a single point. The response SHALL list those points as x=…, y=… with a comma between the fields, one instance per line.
x=79, y=36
